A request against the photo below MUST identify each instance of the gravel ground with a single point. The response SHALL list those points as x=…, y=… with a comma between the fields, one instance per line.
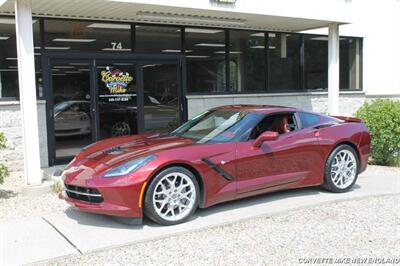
x=14, y=204
x=365, y=228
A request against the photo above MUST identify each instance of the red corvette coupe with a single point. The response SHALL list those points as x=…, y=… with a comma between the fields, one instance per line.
x=223, y=154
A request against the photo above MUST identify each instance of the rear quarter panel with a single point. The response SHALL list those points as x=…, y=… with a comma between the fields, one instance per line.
x=354, y=134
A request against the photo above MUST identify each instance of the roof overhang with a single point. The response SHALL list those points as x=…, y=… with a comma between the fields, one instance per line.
x=282, y=15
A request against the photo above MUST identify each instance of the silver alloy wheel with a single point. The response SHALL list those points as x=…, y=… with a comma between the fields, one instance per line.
x=174, y=196
x=120, y=129
x=343, y=169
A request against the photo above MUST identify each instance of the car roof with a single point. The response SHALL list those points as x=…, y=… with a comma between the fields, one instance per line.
x=266, y=109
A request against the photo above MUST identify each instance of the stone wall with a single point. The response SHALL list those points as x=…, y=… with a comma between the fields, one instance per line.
x=349, y=102
x=10, y=125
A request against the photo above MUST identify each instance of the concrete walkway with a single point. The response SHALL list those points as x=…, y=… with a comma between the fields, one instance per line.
x=73, y=232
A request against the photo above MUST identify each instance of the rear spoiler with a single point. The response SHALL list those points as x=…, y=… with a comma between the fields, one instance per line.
x=348, y=118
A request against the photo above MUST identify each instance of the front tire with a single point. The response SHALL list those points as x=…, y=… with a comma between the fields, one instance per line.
x=172, y=196
x=341, y=169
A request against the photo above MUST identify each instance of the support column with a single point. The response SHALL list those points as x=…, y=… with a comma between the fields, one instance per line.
x=27, y=90
x=333, y=69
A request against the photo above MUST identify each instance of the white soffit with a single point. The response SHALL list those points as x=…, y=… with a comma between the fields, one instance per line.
x=208, y=13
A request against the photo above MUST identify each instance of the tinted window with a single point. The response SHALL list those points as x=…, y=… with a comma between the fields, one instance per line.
x=155, y=39
x=205, y=57
x=246, y=61
x=284, y=61
x=308, y=120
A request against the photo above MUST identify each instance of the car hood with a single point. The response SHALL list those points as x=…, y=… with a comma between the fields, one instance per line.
x=114, y=151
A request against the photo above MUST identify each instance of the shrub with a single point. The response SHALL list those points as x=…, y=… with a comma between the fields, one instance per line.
x=382, y=118
x=3, y=169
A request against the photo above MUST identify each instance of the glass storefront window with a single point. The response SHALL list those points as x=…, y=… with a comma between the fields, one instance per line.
x=9, y=87
x=247, y=61
x=161, y=97
x=8, y=59
x=350, y=63
x=75, y=35
x=284, y=62
x=155, y=39
x=205, y=60
x=316, y=62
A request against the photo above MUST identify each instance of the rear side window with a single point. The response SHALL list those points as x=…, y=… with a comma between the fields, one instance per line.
x=308, y=120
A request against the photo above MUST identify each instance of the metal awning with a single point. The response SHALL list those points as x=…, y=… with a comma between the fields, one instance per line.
x=283, y=15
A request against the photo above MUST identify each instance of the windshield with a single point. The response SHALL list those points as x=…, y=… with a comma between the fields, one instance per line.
x=217, y=126
x=61, y=106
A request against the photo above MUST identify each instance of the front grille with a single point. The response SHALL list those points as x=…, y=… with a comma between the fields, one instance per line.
x=83, y=193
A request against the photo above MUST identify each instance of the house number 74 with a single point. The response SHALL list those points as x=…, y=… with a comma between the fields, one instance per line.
x=116, y=45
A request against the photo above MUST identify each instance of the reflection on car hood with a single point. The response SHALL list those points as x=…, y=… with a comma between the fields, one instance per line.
x=117, y=150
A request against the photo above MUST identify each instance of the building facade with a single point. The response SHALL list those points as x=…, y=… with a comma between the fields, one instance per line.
x=75, y=72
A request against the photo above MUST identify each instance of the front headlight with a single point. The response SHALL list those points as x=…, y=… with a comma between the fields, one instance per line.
x=129, y=167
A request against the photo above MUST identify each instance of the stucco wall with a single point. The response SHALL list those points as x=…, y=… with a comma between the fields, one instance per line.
x=10, y=124
x=349, y=102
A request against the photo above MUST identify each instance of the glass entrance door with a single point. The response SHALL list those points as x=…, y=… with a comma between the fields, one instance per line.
x=73, y=121
x=161, y=97
x=97, y=99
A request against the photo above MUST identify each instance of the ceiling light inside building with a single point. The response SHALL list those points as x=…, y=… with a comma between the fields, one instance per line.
x=117, y=50
x=231, y=52
x=11, y=58
x=197, y=56
x=210, y=44
x=205, y=31
x=56, y=48
x=3, y=38
x=323, y=38
x=258, y=34
x=175, y=51
x=78, y=64
x=123, y=64
x=72, y=40
x=72, y=72
x=262, y=47
x=109, y=26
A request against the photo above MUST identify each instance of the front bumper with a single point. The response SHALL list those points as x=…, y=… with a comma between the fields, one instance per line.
x=115, y=200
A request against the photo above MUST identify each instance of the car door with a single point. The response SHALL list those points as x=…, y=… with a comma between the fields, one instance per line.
x=290, y=160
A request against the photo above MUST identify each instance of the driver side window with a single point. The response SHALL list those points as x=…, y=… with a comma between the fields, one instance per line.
x=281, y=123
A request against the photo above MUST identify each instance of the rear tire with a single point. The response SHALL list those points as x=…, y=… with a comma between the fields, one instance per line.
x=341, y=169
x=172, y=196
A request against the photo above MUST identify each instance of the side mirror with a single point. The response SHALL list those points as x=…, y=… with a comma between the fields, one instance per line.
x=265, y=136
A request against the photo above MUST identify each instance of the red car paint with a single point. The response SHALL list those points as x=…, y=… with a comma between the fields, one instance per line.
x=295, y=159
